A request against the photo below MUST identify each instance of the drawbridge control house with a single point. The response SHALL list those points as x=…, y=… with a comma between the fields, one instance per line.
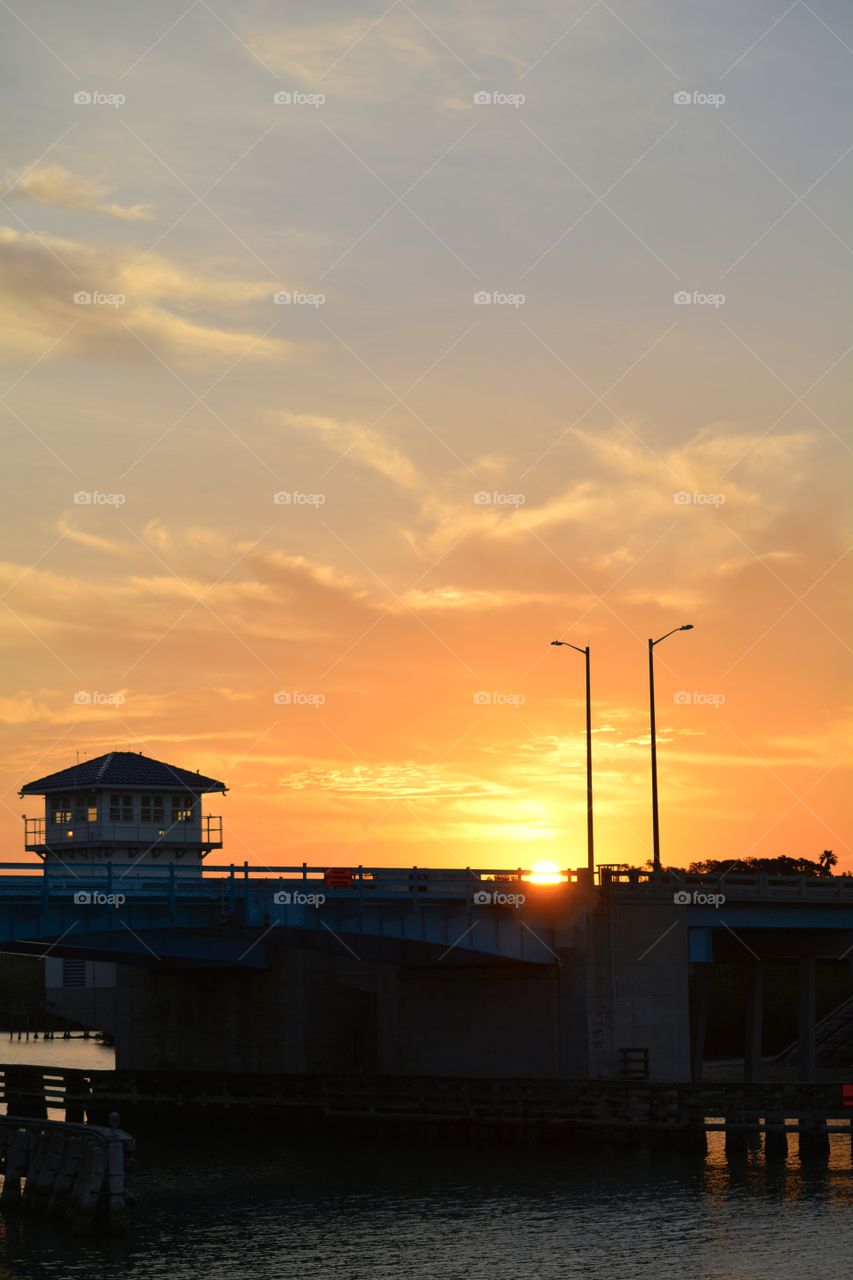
x=127, y=810
x=123, y=808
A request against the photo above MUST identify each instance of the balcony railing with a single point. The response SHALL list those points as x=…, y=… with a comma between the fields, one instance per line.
x=41, y=836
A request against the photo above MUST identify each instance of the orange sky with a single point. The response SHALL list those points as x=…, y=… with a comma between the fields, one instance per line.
x=583, y=457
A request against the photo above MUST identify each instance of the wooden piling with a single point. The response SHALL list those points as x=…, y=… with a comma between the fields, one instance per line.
x=70, y=1171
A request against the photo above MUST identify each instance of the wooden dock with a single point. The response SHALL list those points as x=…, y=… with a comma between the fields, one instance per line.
x=540, y=1110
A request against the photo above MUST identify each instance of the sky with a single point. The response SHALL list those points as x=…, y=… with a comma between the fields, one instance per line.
x=352, y=353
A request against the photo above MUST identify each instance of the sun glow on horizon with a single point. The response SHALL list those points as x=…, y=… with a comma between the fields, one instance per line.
x=545, y=873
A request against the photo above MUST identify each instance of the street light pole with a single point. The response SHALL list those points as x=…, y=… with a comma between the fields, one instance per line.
x=655, y=816
x=590, y=841
x=656, y=864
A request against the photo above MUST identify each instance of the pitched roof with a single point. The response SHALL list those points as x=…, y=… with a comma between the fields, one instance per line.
x=121, y=769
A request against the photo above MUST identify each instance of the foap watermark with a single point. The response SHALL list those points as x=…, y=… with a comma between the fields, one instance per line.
x=683, y=898
x=688, y=497
x=497, y=898
x=85, y=298
x=296, y=98
x=698, y=98
x=95, y=498
x=686, y=298
x=97, y=98
x=497, y=298
x=495, y=698
x=497, y=98
x=298, y=698
x=283, y=298
x=284, y=898
x=697, y=698
x=95, y=698
x=92, y=898
x=296, y=498
x=484, y=498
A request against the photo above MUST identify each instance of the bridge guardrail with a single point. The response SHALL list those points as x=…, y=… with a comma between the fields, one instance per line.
x=231, y=880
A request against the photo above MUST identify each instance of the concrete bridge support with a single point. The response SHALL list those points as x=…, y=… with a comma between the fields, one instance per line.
x=699, y=1018
x=754, y=1021
x=309, y=1012
x=615, y=1003
x=638, y=990
x=317, y=1012
x=808, y=1018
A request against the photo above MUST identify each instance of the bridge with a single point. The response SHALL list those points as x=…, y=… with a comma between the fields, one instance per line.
x=227, y=915
x=510, y=976
x=232, y=915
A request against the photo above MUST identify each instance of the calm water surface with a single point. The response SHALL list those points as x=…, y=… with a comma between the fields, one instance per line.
x=56, y=1053
x=348, y=1210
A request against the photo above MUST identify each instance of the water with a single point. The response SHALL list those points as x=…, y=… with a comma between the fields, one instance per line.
x=329, y=1210
x=56, y=1053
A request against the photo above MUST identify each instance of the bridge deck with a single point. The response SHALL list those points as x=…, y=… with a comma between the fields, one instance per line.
x=227, y=914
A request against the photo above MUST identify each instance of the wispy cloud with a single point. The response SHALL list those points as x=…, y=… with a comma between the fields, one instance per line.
x=117, y=297
x=53, y=184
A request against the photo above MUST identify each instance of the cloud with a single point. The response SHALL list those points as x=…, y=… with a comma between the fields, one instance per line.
x=406, y=780
x=376, y=58
x=475, y=600
x=133, y=302
x=359, y=442
x=69, y=528
x=55, y=185
x=56, y=708
x=345, y=53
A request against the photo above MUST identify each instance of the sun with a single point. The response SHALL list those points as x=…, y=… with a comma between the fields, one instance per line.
x=545, y=873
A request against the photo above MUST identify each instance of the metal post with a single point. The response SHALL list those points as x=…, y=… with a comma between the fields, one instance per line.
x=655, y=820
x=590, y=845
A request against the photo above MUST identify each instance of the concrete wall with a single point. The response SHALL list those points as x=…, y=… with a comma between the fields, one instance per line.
x=309, y=1012
x=89, y=1003
x=486, y=1021
x=314, y=1012
x=621, y=985
x=638, y=988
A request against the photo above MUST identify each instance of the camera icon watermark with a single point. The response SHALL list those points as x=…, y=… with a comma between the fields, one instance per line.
x=697, y=98
x=296, y=98
x=296, y=498
x=686, y=498
x=497, y=298
x=88, y=898
x=484, y=498
x=94, y=498
x=496, y=698
x=96, y=98
x=285, y=898
x=497, y=98
x=298, y=698
x=284, y=298
x=696, y=298
x=94, y=698
x=86, y=298
x=497, y=898
x=697, y=698
x=683, y=898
